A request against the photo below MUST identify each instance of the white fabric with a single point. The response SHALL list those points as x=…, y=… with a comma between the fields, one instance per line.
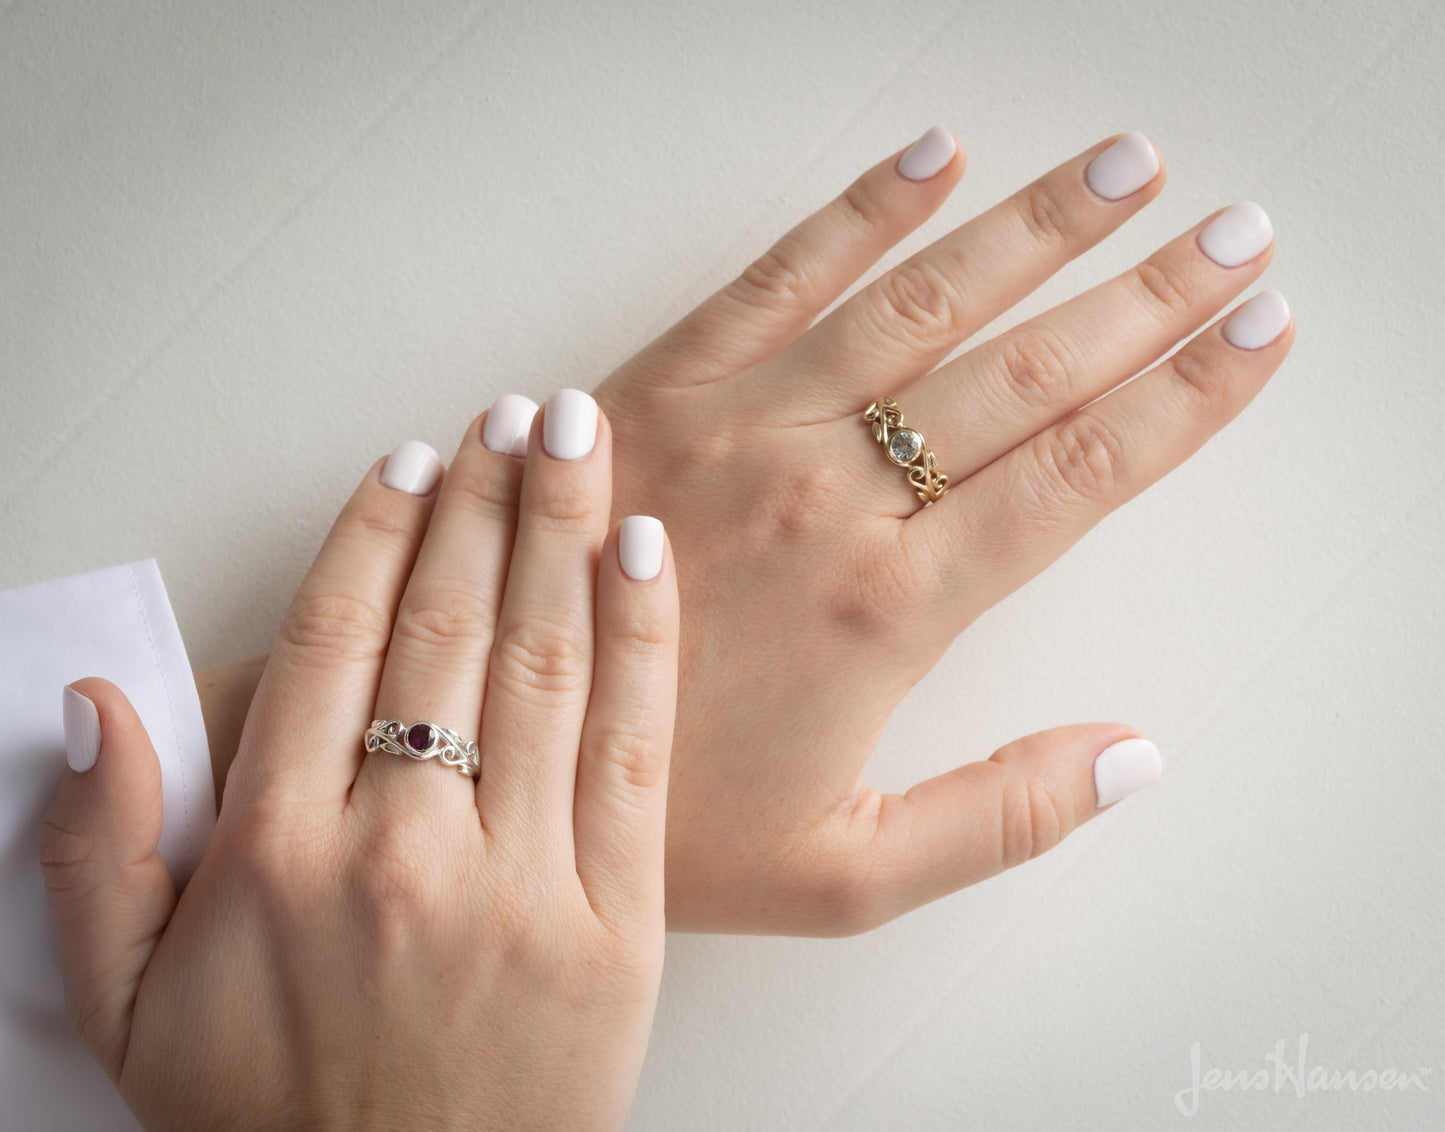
x=116, y=623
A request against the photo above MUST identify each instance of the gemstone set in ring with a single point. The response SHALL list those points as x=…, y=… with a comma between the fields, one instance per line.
x=905, y=447
x=424, y=741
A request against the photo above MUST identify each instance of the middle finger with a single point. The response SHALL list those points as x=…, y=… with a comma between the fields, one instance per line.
x=436, y=663
x=540, y=675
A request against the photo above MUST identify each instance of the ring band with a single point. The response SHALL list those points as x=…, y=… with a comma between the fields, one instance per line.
x=905, y=447
x=424, y=741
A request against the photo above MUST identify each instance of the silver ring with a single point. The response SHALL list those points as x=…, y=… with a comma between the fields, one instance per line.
x=424, y=741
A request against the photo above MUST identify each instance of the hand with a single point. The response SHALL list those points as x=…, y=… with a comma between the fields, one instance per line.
x=817, y=589
x=371, y=940
x=226, y=692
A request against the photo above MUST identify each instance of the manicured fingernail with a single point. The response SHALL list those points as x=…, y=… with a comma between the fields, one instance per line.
x=569, y=427
x=508, y=424
x=1258, y=322
x=1125, y=167
x=413, y=468
x=1237, y=235
x=639, y=547
x=82, y=730
x=1125, y=767
x=927, y=156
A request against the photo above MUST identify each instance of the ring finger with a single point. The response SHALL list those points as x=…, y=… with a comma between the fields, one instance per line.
x=436, y=662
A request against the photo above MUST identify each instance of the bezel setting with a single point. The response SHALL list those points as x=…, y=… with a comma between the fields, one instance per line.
x=905, y=446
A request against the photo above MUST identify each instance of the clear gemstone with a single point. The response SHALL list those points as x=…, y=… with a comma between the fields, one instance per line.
x=904, y=446
x=418, y=737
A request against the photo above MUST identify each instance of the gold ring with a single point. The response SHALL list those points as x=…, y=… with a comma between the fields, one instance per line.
x=905, y=447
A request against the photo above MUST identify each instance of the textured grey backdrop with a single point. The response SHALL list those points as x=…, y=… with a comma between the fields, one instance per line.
x=245, y=248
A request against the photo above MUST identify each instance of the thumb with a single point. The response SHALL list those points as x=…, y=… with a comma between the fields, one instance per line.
x=982, y=818
x=109, y=891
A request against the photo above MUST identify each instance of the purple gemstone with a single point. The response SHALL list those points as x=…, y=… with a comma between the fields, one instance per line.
x=418, y=737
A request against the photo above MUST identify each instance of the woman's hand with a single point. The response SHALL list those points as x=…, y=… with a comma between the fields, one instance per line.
x=816, y=587
x=372, y=940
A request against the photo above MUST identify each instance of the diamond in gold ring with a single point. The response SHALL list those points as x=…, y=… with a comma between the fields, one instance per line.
x=905, y=447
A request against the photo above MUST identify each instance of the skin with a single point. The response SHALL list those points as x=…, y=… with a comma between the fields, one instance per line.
x=815, y=588
x=374, y=942
x=226, y=692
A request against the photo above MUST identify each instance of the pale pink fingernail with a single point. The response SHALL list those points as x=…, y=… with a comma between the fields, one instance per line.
x=1258, y=322
x=82, y=730
x=569, y=428
x=639, y=547
x=1237, y=234
x=413, y=468
x=508, y=424
x=927, y=156
x=1127, y=766
x=1125, y=167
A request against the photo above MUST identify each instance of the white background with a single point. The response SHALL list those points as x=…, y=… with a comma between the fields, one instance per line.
x=247, y=248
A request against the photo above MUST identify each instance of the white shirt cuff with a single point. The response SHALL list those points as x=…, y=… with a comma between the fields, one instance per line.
x=116, y=623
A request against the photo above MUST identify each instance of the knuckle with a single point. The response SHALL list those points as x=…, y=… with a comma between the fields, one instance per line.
x=844, y=903
x=64, y=848
x=487, y=493
x=1083, y=457
x=635, y=754
x=640, y=634
x=870, y=599
x=918, y=299
x=541, y=656
x=1207, y=386
x=335, y=627
x=260, y=869
x=522, y=912
x=1031, y=821
x=693, y=459
x=1036, y=365
x=862, y=208
x=442, y=614
x=1165, y=291
x=562, y=506
x=1043, y=214
x=396, y=886
x=270, y=854
x=375, y=516
x=799, y=499
x=776, y=278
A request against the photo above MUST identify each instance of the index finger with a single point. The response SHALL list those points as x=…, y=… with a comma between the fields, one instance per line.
x=315, y=699
x=621, y=795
